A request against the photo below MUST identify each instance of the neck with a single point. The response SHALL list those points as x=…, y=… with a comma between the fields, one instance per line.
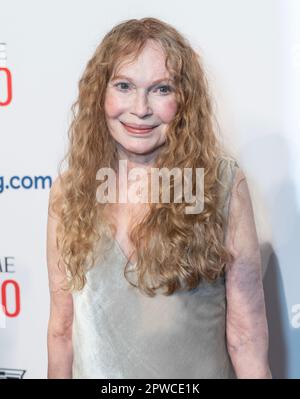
x=137, y=160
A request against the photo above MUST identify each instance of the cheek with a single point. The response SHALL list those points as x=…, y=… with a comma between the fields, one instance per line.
x=168, y=110
x=113, y=106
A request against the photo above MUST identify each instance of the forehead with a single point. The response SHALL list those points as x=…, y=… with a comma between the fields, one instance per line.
x=147, y=67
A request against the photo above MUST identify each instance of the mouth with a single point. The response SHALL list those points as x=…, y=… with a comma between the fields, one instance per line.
x=142, y=129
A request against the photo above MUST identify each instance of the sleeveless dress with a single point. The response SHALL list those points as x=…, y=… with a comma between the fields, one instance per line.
x=120, y=333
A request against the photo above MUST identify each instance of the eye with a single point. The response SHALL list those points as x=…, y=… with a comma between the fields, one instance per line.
x=122, y=86
x=166, y=89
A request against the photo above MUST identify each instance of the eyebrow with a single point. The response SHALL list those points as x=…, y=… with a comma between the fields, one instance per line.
x=153, y=83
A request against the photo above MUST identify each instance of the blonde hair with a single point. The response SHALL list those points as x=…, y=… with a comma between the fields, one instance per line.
x=185, y=248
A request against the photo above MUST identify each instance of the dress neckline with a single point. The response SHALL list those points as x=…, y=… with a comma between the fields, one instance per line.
x=122, y=252
x=118, y=246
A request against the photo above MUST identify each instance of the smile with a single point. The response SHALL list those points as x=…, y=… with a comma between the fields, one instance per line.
x=142, y=130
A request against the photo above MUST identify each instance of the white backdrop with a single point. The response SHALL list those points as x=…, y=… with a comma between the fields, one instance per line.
x=251, y=50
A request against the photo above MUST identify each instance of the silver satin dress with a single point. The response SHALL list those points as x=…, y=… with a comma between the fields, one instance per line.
x=118, y=332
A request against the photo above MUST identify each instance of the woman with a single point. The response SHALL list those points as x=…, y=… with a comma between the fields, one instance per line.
x=146, y=290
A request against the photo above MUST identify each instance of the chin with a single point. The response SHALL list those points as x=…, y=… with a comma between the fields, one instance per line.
x=139, y=150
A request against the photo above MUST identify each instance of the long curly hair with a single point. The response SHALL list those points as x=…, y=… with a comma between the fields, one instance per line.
x=175, y=250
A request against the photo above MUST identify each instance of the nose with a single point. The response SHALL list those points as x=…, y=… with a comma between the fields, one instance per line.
x=141, y=106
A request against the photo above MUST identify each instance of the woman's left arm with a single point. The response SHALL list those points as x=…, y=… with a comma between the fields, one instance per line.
x=246, y=323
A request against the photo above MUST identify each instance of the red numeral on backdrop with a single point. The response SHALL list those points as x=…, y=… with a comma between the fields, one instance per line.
x=4, y=297
x=9, y=87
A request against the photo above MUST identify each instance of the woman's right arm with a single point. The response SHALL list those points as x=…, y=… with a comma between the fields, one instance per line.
x=59, y=334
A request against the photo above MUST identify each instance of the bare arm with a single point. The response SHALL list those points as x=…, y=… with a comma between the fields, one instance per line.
x=246, y=324
x=59, y=334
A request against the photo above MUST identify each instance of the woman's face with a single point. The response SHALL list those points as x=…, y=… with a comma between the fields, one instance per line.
x=140, y=95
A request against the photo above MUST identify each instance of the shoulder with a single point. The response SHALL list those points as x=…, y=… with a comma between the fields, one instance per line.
x=241, y=233
x=56, y=186
x=230, y=172
x=234, y=191
x=55, y=194
x=227, y=166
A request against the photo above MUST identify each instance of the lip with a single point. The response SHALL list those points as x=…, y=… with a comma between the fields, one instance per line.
x=133, y=128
